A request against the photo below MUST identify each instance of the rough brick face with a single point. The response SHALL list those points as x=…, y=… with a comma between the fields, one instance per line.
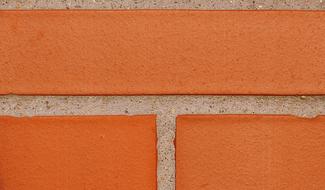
x=75, y=153
x=250, y=152
x=162, y=52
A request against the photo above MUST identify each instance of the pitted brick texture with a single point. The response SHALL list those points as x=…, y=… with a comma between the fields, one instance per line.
x=250, y=152
x=73, y=153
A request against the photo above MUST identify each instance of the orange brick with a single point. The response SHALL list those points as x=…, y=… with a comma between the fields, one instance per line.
x=162, y=52
x=75, y=153
x=250, y=152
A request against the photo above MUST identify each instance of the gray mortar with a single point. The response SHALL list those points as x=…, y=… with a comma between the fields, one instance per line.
x=166, y=107
x=163, y=4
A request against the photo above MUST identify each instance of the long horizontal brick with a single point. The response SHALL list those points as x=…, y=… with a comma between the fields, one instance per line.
x=250, y=152
x=162, y=52
x=75, y=153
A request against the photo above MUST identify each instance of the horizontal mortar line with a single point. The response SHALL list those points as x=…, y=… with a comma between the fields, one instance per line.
x=301, y=106
x=129, y=4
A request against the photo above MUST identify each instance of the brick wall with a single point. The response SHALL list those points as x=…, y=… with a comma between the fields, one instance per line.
x=296, y=155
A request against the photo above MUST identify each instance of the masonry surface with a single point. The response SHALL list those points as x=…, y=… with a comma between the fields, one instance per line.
x=250, y=152
x=166, y=107
x=100, y=152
